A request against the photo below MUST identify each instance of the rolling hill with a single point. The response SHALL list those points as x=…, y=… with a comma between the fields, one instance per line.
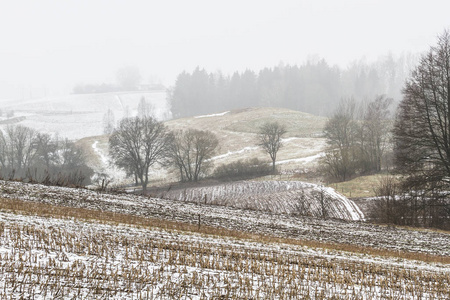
x=279, y=197
x=237, y=132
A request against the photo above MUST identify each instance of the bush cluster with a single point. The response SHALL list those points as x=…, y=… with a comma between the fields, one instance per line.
x=243, y=169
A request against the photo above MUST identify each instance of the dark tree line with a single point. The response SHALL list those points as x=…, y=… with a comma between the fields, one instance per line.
x=29, y=155
x=314, y=87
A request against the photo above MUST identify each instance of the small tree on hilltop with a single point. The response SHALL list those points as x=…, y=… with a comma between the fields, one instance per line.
x=270, y=135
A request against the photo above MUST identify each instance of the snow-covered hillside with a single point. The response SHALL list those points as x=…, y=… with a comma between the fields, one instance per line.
x=79, y=116
x=282, y=197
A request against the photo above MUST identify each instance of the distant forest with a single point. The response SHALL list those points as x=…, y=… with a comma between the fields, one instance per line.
x=314, y=87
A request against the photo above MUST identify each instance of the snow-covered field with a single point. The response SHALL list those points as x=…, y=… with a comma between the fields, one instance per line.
x=253, y=221
x=45, y=258
x=282, y=197
x=79, y=116
x=48, y=258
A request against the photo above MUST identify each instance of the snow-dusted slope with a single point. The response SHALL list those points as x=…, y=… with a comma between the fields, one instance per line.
x=286, y=197
x=280, y=225
x=51, y=258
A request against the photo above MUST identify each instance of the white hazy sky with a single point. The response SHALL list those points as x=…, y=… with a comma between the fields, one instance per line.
x=60, y=43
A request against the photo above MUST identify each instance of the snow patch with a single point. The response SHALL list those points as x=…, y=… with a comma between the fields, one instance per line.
x=102, y=156
x=212, y=115
x=289, y=139
x=229, y=153
x=301, y=160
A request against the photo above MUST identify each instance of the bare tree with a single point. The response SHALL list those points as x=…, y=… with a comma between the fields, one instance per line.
x=270, y=135
x=21, y=147
x=25, y=153
x=341, y=132
x=376, y=129
x=145, y=109
x=357, y=138
x=422, y=127
x=422, y=134
x=138, y=144
x=191, y=151
x=47, y=153
x=108, y=122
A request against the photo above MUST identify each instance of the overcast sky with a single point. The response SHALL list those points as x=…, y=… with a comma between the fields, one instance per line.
x=61, y=43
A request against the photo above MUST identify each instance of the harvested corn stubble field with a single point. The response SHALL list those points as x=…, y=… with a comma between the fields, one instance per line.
x=68, y=243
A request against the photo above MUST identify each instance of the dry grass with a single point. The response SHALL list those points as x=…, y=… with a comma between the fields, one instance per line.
x=46, y=210
x=362, y=186
x=249, y=120
x=238, y=129
x=92, y=157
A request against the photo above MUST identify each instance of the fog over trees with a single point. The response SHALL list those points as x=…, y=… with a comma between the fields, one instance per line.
x=26, y=154
x=357, y=139
x=314, y=87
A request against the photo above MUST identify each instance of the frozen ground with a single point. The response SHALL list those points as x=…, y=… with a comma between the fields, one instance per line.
x=253, y=221
x=282, y=197
x=50, y=258
x=46, y=258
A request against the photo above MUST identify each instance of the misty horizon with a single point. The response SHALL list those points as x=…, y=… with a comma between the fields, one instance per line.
x=51, y=47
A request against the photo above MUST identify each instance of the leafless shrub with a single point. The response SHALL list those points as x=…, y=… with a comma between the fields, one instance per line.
x=242, y=169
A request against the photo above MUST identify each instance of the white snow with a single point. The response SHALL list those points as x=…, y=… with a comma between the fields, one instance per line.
x=353, y=209
x=45, y=258
x=79, y=116
x=230, y=153
x=285, y=197
x=100, y=153
x=212, y=115
x=286, y=140
x=301, y=160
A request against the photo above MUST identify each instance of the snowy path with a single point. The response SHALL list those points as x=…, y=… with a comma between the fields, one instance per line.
x=212, y=115
x=99, y=152
x=301, y=160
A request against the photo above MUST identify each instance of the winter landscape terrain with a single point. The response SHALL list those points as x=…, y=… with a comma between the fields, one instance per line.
x=276, y=237
x=71, y=243
x=78, y=116
x=237, y=130
x=280, y=197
